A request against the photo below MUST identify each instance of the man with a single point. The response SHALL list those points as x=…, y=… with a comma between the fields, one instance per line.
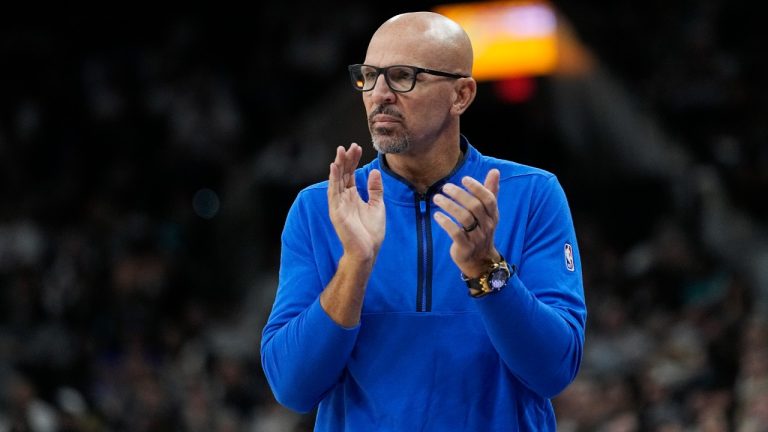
x=372, y=322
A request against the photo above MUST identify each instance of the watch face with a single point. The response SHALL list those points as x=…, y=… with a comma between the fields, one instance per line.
x=498, y=278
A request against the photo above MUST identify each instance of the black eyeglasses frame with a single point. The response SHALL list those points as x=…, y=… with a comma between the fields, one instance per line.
x=383, y=71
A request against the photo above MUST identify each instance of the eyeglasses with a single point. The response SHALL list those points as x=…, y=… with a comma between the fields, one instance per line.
x=400, y=78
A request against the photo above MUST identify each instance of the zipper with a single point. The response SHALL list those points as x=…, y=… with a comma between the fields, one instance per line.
x=424, y=255
x=424, y=228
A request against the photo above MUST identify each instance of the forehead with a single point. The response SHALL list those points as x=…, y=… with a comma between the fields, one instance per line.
x=401, y=48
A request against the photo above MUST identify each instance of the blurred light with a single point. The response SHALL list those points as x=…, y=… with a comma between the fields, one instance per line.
x=515, y=90
x=206, y=203
x=509, y=38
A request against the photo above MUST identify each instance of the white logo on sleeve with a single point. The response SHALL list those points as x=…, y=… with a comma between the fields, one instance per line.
x=569, y=257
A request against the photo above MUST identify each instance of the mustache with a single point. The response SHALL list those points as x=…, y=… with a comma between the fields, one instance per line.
x=386, y=110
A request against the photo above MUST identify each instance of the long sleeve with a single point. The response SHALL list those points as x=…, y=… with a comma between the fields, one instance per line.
x=303, y=351
x=536, y=323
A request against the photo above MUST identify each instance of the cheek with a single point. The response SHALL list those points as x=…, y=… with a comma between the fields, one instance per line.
x=433, y=113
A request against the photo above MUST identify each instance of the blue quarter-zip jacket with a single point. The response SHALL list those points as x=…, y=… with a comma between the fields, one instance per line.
x=426, y=356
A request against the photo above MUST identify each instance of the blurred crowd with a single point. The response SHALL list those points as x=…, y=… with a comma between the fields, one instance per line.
x=146, y=169
x=678, y=333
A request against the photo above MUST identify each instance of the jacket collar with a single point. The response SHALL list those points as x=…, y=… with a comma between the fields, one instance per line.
x=398, y=189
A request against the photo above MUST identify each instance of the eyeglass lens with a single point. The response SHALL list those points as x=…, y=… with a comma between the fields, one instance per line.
x=399, y=78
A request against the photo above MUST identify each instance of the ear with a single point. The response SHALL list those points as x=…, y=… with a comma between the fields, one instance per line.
x=464, y=93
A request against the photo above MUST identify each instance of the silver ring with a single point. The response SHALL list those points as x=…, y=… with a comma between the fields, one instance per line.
x=472, y=227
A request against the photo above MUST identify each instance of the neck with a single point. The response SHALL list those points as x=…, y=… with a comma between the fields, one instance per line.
x=424, y=168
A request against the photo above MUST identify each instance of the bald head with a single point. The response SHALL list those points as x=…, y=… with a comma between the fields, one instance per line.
x=423, y=39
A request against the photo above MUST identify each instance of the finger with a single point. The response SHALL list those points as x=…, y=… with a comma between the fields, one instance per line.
x=454, y=231
x=486, y=193
x=466, y=199
x=353, y=156
x=335, y=186
x=341, y=163
x=334, y=175
x=492, y=181
x=340, y=156
x=454, y=210
x=351, y=160
x=375, y=187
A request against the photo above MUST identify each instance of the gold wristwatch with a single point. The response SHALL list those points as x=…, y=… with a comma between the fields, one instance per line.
x=493, y=280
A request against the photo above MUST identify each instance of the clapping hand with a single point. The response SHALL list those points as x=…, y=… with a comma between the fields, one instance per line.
x=475, y=214
x=360, y=225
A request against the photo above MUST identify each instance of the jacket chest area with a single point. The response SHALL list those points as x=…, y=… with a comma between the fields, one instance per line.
x=414, y=271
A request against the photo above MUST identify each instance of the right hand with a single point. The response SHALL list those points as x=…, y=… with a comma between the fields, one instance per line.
x=360, y=225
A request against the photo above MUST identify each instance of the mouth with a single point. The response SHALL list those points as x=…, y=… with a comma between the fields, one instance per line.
x=383, y=120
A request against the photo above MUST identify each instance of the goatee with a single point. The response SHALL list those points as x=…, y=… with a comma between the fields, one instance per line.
x=388, y=140
x=390, y=144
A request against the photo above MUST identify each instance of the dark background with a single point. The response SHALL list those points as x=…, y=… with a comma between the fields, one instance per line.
x=147, y=162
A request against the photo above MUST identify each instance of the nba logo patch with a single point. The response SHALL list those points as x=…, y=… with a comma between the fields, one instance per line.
x=569, y=257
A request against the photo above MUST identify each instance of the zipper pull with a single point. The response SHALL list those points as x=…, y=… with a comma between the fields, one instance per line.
x=423, y=203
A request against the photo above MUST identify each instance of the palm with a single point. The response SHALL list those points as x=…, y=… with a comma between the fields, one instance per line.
x=360, y=225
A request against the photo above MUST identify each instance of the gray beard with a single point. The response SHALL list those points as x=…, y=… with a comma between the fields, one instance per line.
x=390, y=144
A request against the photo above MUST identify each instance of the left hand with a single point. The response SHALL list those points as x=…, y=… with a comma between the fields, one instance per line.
x=472, y=250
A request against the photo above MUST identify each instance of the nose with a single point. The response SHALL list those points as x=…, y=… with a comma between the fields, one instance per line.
x=381, y=93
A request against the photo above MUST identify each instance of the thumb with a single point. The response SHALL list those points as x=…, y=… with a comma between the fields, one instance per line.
x=375, y=187
x=492, y=181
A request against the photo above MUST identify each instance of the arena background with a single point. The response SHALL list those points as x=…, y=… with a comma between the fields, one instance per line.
x=147, y=161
